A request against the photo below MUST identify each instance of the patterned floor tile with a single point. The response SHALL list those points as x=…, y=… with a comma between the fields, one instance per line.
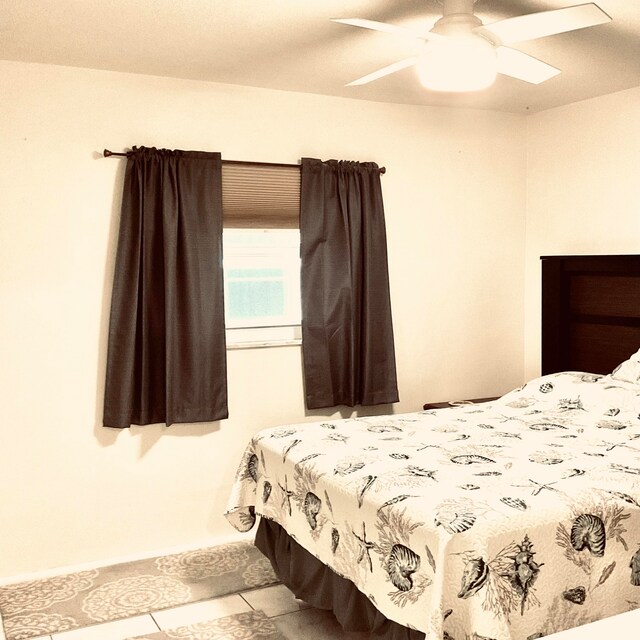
x=117, y=630
x=72, y=601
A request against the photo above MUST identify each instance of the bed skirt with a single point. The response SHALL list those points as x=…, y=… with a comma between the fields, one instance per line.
x=315, y=583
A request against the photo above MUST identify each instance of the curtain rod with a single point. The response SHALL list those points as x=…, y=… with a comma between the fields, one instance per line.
x=107, y=154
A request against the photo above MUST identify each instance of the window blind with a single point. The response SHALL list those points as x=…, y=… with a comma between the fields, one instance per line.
x=260, y=196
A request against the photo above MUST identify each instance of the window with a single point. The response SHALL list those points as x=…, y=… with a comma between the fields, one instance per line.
x=262, y=286
x=261, y=245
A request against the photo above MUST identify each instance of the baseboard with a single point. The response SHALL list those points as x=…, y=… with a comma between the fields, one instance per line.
x=105, y=562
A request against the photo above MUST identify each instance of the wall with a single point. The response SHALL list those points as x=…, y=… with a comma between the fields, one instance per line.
x=74, y=492
x=583, y=191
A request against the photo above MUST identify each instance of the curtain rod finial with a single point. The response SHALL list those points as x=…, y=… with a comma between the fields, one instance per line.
x=108, y=154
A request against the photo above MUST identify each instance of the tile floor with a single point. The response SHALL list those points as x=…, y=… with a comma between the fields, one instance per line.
x=294, y=620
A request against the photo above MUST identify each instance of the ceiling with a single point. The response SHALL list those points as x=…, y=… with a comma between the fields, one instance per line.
x=291, y=45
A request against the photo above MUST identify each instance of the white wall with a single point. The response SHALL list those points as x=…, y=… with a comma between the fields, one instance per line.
x=583, y=190
x=72, y=491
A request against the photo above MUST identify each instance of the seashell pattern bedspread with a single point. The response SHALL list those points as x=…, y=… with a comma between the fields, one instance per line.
x=509, y=520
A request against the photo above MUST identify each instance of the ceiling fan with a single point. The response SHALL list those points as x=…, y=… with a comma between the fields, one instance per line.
x=461, y=54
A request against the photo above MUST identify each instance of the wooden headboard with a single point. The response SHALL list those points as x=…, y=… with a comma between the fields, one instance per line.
x=590, y=312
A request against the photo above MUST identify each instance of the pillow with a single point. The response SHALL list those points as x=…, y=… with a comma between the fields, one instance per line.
x=629, y=370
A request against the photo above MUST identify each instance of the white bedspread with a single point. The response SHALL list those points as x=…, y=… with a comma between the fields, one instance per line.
x=508, y=521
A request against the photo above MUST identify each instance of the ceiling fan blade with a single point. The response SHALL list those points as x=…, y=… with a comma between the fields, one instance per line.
x=517, y=64
x=385, y=71
x=379, y=26
x=548, y=23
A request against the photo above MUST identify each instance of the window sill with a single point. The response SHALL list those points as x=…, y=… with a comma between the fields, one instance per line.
x=263, y=344
x=260, y=337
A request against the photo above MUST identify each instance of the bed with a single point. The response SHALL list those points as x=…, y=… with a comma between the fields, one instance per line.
x=508, y=520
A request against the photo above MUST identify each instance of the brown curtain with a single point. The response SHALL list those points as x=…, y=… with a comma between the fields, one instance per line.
x=347, y=332
x=166, y=360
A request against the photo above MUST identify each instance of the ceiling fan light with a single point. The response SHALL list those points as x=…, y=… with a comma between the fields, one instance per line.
x=457, y=64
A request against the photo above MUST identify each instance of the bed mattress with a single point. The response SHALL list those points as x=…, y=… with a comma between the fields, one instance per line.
x=509, y=520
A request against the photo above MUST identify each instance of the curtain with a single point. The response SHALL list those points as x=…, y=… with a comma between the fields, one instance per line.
x=166, y=359
x=347, y=333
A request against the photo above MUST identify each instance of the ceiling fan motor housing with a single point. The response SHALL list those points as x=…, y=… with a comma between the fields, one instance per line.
x=459, y=21
x=457, y=6
x=456, y=24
